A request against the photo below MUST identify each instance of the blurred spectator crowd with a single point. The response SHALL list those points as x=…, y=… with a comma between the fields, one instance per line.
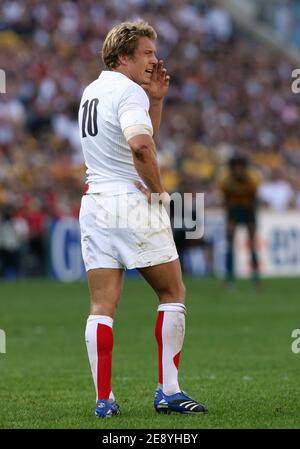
x=228, y=94
x=284, y=17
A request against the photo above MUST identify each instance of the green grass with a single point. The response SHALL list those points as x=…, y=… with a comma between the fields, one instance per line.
x=237, y=356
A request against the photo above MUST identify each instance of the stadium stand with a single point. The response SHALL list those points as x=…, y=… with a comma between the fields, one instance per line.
x=228, y=93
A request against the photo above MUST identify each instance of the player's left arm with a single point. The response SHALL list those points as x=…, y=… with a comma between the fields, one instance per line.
x=157, y=89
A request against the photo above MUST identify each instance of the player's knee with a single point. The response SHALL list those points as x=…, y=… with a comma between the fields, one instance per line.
x=178, y=292
x=174, y=292
x=103, y=306
x=97, y=309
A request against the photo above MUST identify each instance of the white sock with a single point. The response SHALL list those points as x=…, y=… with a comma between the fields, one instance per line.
x=170, y=330
x=92, y=347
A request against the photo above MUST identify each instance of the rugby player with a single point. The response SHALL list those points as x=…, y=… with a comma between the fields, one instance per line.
x=118, y=116
x=239, y=187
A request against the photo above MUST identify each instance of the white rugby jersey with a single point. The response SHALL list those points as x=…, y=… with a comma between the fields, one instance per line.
x=108, y=105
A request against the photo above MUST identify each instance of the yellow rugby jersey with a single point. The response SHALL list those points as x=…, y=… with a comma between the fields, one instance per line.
x=240, y=192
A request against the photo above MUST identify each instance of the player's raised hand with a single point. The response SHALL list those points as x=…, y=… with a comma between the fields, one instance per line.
x=158, y=86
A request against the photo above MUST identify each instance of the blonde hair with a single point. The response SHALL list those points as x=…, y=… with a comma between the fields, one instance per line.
x=123, y=40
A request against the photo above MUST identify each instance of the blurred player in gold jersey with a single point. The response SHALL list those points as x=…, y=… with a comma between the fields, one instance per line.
x=239, y=187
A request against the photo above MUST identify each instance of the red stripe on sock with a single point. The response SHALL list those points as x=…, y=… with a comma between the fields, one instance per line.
x=105, y=342
x=158, y=335
x=176, y=359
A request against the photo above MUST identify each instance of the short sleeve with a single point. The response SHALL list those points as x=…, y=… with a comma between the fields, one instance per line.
x=133, y=108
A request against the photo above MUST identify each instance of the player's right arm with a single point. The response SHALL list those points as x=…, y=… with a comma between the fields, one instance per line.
x=136, y=125
x=145, y=161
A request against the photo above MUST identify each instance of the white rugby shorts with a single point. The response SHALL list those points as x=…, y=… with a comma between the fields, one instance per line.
x=124, y=231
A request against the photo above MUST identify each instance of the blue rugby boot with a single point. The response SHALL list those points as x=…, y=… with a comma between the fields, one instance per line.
x=178, y=402
x=160, y=404
x=106, y=408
